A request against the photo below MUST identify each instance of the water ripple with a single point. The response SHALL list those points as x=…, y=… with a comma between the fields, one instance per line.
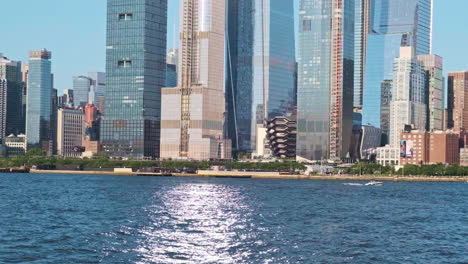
x=90, y=219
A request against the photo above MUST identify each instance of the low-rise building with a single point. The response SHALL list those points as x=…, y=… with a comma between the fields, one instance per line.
x=444, y=148
x=464, y=156
x=15, y=145
x=414, y=147
x=417, y=147
x=388, y=156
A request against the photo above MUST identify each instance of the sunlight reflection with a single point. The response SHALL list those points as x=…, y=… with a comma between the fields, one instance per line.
x=196, y=223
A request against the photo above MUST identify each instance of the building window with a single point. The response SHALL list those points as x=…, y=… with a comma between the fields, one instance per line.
x=124, y=63
x=126, y=16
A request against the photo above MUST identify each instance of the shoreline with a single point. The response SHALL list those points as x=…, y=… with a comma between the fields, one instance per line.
x=248, y=175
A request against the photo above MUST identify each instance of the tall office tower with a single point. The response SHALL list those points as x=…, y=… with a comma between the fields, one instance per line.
x=433, y=66
x=69, y=132
x=53, y=121
x=325, y=79
x=97, y=89
x=261, y=66
x=457, y=100
x=393, y=24
x=25, y=72
x=11, y=91
x=135, y=73
x=408, y=105
x=38, y=107
x=81, y=89
x=361, y=30
x=193, y=112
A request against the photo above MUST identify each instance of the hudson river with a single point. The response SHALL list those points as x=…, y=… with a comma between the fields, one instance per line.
x=107, y=219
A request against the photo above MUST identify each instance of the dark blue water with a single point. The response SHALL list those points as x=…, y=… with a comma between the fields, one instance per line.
x=104, y=219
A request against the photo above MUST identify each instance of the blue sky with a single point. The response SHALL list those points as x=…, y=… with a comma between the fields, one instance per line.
x=75, y=32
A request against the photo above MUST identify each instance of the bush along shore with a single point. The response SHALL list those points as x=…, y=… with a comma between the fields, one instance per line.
x=439, y=170
x=43, y=162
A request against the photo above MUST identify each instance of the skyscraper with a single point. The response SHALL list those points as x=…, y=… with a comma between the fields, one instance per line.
x=433, y=66
x=11, y=91
x=135, y=68
x=260, y=66
x=39, y=100
x=81, y=89
x=457, y=100
x=361, y=30
x=408, y=105
x=325, y=78
x=193, y=112
x=97, y=89
x=393, y=24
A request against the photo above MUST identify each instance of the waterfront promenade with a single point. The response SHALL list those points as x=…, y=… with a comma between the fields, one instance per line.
x=265, y=175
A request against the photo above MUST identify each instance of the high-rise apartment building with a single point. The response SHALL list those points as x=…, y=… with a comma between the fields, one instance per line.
x=385, y=100
x=261, y=66
x=433, y=66
x=408, y=105
x=193, y=112
x=11, y=94
x=457, y=101
x=325, y=79
x=39, y=100
x=81, y=88
x=393, y=24
x=135, y=69
x=69, y=132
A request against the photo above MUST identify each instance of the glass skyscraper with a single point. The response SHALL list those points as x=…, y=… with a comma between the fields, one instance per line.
x=39, y=100
x=325, y=78
x=135, y=68
x=261, y=66
x=393, y=24
x=81, y=89
x=98, y=87
x=361, y=30
x=11, y=95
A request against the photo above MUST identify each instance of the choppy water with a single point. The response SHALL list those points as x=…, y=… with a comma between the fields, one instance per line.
x=104, y=219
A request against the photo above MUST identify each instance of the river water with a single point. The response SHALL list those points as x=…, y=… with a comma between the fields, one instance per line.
x=117, y=219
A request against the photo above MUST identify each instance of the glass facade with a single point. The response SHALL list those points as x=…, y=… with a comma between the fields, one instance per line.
x=136, y=69
x=81, y=89
x=361, y=30
x=325, y=78
x=98, y=88
x=11, y=96
x=393, y=24
x=261, y=66
x=39, y=100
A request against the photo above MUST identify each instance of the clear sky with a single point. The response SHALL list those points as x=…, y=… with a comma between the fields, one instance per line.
x=75, y=33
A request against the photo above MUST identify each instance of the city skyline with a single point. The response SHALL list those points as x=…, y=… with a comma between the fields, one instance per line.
x=88, y=56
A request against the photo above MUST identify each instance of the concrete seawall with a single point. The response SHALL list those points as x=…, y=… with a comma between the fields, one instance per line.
x=263, y=175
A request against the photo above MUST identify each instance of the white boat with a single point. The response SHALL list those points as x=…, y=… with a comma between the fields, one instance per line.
x=374, y=183
x=353, y=184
